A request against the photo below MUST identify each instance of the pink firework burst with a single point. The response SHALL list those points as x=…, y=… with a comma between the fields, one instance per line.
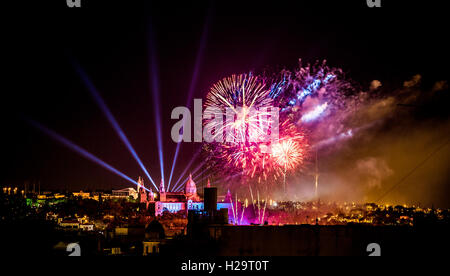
x=288, y=153
x=242, y=150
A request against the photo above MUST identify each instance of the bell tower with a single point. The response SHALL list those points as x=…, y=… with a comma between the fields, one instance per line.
x=162, y=191
x=141, y=191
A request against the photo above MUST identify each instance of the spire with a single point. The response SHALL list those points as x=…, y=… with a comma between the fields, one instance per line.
x=161, y=187
x=162, y=191
x=209, y=184
x=141, y=185
x=151, y=196
x=142, y=194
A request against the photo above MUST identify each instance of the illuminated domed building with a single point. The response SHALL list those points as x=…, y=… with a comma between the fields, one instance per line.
x=191, y=190
x=173, y=202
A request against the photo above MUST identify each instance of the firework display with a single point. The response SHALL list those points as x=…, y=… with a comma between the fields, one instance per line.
x=245, y=152
x=312, y=101
x=181, y=131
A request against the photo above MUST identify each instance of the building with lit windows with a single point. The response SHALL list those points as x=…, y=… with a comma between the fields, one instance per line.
x=125, y=193
x=174, y=202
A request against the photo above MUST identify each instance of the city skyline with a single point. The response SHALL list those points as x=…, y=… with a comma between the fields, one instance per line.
x=196, y=56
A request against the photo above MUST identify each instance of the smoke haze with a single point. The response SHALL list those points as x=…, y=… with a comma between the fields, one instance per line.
x=385, y=146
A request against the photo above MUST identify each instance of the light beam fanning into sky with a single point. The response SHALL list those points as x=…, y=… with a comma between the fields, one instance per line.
x=188, y=166
x=198, y=60
x=155, y=96
x=180, y=185
x=81, y=151
x=98, y=99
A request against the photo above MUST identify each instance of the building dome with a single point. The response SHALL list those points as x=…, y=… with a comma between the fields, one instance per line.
x=191, y=187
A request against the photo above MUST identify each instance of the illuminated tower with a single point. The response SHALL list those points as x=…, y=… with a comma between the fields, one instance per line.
x=141, y=191
x=162, y=191
x=151, y=196
x=209, y=184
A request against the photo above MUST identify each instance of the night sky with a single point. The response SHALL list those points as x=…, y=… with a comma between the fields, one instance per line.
x=110, y=40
